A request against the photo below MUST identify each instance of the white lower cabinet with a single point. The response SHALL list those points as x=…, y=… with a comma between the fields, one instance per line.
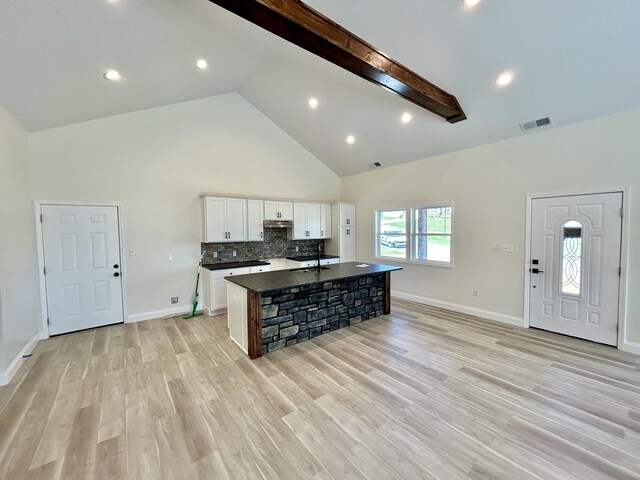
x=215, y=289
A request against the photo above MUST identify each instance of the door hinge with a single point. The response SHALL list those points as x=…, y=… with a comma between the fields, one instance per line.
x=41, y=218
x=47, y=321
x=622, y=213
x=44, y=270
x=619, y=271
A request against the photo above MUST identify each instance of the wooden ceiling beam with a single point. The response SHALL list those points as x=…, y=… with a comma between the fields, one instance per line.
x=301, y=25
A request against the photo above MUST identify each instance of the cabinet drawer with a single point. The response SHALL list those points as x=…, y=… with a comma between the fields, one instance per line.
x=329, y=261
x=216, y=274
x=261, y=268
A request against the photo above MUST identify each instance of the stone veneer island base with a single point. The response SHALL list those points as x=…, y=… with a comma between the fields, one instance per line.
x=271, y=310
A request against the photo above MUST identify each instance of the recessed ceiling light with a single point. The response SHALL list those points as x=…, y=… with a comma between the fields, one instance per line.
x=112, y=75
x=351, y=139
x=470, y=3
x=313, y=102
x=202, y=64
x=504, y=79
x=406, y=117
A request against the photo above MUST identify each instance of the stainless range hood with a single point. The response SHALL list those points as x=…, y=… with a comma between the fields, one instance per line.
x=278, y=223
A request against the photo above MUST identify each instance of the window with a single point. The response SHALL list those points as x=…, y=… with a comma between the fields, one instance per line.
x=420, y=234
x=571, y=257
x=392, y=233
x=432, y=234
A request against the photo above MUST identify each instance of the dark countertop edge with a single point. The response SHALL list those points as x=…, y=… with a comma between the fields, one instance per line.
x=308, y=258
x=224, y=266
x=354, y=273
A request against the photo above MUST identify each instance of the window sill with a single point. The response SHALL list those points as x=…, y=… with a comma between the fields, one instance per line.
x=415, y=262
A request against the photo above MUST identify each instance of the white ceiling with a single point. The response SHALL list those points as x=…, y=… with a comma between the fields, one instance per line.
x=573, y=60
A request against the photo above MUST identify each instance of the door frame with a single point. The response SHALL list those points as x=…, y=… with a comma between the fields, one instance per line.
x=44, y=312
x=624, y=253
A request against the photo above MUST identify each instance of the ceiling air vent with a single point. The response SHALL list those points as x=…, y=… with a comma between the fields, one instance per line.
x=375, y=165
x=541, y=122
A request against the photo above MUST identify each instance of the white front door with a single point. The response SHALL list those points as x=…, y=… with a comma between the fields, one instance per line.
x=82, y=267
x=575, y=265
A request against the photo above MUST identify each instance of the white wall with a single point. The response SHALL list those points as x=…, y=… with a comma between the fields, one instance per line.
x=19, y=313
x=489, y=185
x=155, y=163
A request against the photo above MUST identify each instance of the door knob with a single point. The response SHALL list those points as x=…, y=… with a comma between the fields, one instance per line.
x=116, y=266
x=535, y=270
x=116, y=274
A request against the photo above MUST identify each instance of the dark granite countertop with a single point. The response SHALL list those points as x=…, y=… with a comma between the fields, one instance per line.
x=224, y=266
x=280, y=279
x=309, y=258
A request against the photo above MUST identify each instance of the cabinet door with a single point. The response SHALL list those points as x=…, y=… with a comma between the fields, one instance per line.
x=237, y=219
x=218, y=294
x=255, y=217
x=214, y=220
x=347, y=244
x=270, y=210
x=286, y=210
x=325, y=221
x=313, y=220
x=347, y=215
x=300, y=221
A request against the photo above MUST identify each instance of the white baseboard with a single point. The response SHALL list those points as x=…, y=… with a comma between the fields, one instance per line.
x=9, y=373
x=631, y=347
x=169, y=312
x=498, y=317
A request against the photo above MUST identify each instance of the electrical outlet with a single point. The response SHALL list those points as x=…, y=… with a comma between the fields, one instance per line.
x=174, y=300
x=132, y=252
x=215, y=254
x=234, y=253
x=171, y=257
x=476, y=292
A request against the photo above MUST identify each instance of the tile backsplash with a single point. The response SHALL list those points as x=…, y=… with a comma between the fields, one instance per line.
x=275, y=245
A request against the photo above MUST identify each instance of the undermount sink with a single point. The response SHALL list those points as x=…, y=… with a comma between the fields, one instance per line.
x=308, y=269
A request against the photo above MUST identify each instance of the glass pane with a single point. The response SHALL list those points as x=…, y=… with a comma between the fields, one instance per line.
x=436, y=248
x=393, y=233
x=433, y=220
x=571, y=257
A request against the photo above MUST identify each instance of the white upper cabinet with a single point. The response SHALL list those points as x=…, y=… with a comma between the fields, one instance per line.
x=255, y=219
x=225, y=219
x=300, y=221
x=307, y=221
x=275, y=210
x=313, y=220
x=325, y=221
x=347, y=212
x=215, y=228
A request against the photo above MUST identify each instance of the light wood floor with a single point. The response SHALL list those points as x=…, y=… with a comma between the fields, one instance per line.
x=422, y=393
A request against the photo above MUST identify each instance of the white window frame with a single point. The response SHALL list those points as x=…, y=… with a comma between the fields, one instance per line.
x=378, y=233
x=413, y=232
x=410, y=235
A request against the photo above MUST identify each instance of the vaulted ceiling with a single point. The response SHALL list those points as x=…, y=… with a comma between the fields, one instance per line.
x=573, y=60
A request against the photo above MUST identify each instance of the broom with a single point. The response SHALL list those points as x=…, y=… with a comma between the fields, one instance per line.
x=194, y=313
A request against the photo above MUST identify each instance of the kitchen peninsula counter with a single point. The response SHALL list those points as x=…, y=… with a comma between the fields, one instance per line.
x=272, y=310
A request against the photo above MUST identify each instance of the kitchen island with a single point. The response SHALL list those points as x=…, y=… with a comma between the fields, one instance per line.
x=271, y=310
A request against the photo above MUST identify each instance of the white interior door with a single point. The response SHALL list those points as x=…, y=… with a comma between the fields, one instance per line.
x=82, y=264
x=575, y=265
